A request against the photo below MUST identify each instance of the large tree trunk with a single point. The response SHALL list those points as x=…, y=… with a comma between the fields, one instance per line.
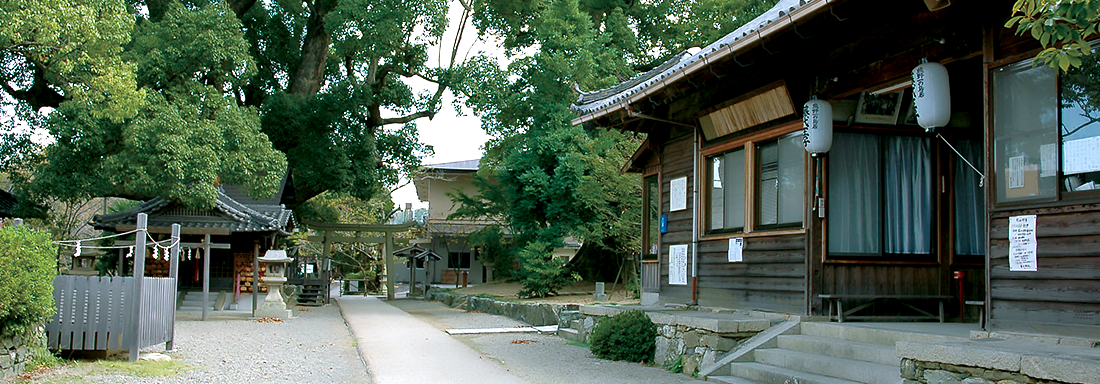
x=310, y=75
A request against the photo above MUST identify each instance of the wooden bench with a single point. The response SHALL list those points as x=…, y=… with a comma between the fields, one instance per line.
x=904, y=300
x=981, y=311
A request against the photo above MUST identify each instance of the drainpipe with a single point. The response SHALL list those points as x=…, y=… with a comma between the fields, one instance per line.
x=695, y=219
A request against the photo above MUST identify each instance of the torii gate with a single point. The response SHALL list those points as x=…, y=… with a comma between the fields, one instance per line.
x=387, y=241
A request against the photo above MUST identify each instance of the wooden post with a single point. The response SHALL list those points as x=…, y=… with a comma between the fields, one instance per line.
x=326, y=253
x=173, y=273
x=139, y=277
x=255, y=275
x=387, y=253
x=205, y=275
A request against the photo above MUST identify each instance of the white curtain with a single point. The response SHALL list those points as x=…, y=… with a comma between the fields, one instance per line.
x=734, y=185
x=908, y=195
x=969, y=201
x=792, y=179
x=854, y=209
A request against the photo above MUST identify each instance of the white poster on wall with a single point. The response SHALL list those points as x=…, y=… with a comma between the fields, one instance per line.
x=736, y=244
x=678, y=194
x=1021, y=243
x=677, y=264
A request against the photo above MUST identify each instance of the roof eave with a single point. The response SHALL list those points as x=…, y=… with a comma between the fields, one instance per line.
x=779, y=25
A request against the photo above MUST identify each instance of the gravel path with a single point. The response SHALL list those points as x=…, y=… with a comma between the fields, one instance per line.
x=315, y=347
x=539, y=359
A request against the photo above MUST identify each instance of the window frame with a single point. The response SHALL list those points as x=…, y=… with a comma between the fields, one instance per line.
x=468, y=259
x=1061, y=197
x=937, y=224
x=748, y=143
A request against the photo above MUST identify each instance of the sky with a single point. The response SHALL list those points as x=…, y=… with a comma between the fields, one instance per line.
x=455, y=138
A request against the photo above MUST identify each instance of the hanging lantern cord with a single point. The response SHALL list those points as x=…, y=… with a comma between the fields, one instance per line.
x=981, y=181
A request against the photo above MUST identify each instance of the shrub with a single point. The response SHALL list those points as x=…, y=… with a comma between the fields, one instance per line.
x=27, y=268
x=540, y=273
x=629, y=336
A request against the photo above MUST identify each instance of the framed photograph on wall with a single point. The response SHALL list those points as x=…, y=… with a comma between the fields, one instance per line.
x=879, y=109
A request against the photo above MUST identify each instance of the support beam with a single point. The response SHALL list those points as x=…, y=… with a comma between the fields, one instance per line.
x=255, y=276
x=139, y=278
x=387, y=253
x=205, y=275
x=173, y=273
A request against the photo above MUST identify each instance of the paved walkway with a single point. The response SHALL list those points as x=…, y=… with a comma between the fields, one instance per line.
x=399, y=348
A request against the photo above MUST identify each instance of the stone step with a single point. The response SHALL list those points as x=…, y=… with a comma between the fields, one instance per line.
x=858, y=371
x=570, y=334
x=764, y=373
x=730, y=380
x=844, y=349
x=869, y=335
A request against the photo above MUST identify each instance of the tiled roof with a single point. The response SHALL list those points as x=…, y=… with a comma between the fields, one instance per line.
x=226, y=214
x=602, y=101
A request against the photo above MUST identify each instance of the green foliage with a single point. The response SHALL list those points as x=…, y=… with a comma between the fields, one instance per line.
x=27, y=269
x=494, y=249
x=173, y=98
x=1061, y=26
x=676, y=366
x=629, y=336
x=540, y=274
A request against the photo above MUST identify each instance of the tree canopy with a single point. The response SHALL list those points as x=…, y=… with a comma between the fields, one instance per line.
x=1061, y=26
x=554, y=179
x=175, y=97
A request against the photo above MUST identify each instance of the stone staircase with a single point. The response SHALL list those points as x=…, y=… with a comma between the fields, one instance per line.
x=192, y=301
x=311, y=294
x=822, y=353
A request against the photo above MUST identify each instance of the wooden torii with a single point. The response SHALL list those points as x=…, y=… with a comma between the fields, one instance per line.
x=387, y=240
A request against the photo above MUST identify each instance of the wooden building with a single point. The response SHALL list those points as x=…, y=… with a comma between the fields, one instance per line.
x=891, y=217
x=239, y=229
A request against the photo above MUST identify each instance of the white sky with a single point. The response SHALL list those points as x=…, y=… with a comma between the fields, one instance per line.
x=455, y=138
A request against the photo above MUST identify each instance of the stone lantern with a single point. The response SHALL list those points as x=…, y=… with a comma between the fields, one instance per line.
x=273, y=305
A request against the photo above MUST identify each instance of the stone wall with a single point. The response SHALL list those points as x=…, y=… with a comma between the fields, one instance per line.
x=15, y=351
x=692, y=342
x=534, y=314
x=940, y=373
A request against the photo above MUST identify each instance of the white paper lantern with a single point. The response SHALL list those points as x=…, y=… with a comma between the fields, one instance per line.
x=817, y=126
x=932, y=95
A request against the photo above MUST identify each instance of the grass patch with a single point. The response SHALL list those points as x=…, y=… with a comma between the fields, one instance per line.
x=76, y=371
x=576, y=343
x=139, y=368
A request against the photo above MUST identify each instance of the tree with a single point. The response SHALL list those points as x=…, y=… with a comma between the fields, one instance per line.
x=175, y=97
x=555, y=179
x=1061, y=26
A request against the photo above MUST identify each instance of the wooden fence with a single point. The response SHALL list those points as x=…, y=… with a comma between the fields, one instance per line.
x=94, y=313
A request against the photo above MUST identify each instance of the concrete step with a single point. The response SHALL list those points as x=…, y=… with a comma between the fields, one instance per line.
x=730, y=380
x=570, y=334
x=870, y=335
x=844, y=349
x=853, y=370
x=763, y=373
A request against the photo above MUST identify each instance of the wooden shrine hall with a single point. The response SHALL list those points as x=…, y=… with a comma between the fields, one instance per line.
x=221, y=244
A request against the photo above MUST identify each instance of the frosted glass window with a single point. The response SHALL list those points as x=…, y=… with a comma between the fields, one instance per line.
x=781, y=184
x=726, y=188
x=1025, y=137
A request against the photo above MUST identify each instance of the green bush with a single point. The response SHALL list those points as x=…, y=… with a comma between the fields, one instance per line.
x=629, y=336
x=540, y=274
x=27, y=268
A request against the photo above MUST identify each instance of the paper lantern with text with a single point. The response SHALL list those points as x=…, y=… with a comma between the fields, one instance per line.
x=817, y=126
x=932, y=95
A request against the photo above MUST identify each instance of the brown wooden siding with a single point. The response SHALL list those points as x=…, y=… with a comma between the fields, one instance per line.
x=676, y=162
x=1063, y=296
x=771, y=277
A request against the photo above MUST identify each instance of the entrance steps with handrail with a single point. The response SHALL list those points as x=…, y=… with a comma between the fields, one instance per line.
x=821, y=353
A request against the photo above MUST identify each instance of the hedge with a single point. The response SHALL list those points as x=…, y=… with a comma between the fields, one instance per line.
x=27, y=267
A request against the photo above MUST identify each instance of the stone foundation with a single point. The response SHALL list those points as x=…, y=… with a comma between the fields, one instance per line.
x=693, y=341
x=534, y=314
x=939, y=373
x=15, y=352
